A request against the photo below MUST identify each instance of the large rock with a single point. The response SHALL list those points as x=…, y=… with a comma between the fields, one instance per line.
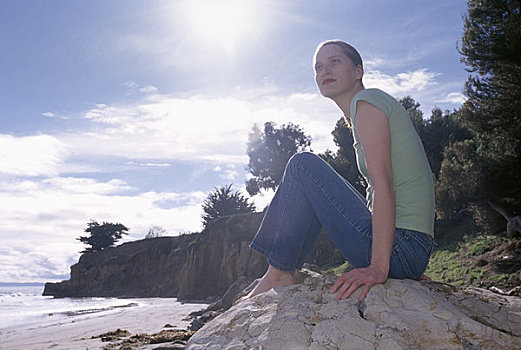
x=400, y=314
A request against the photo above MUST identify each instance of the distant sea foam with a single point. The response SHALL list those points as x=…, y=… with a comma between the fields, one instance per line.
x=23, y=305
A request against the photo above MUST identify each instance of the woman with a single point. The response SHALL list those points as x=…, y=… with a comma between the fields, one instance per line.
x=390, y=234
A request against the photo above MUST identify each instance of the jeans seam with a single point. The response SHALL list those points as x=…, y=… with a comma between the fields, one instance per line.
x=299, y=263
x=403, y=260
x=283, y=201
x=335, y=204
x=273, y=262
x=423, y=242
x=419, y=263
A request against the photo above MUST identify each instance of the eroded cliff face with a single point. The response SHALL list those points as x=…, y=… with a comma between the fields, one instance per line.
x=194, y=266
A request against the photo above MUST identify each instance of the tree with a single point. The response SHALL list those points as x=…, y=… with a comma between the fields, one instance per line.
x=222, y=202
x=102, y=236
x=438, y=132
x=415, y=113
x=344, y=160
x=491, y=49
x=269, y=152
x=154, y=232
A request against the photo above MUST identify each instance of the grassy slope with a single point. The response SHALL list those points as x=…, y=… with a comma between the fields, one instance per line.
x=471, y=259
x=480, y=260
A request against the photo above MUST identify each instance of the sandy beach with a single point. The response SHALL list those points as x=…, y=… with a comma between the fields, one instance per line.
x=76, y=332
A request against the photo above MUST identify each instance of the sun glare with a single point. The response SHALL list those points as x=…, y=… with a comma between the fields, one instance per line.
x=221, y=23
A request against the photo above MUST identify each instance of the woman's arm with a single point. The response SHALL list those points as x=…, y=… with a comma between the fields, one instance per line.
x=373, y=130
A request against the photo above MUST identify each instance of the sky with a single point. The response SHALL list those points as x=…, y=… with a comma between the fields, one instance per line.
x=132, y=111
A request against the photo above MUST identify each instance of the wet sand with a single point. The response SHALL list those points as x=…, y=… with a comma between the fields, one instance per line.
x=76, y=332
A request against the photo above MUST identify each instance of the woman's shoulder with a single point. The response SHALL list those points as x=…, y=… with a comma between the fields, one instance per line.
x=378, y=98
x=373, y=93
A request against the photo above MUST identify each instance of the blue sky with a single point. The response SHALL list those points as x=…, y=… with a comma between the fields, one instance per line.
x=132, y=111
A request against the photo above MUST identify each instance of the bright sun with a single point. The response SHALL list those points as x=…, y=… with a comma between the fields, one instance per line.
x=222, y=23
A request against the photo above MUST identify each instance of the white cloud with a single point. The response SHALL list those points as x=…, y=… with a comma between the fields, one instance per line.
x=215, y=129
x=49, y=114
x=31, y=155
x=130, y=84
x=426, y=87
x=40, y=243
x=454, y=97
x=148, y=89
x=262, y=199
x=402, y=83
x=199, y=127
x=374, y=63
x=157, y=165
x=228, y=172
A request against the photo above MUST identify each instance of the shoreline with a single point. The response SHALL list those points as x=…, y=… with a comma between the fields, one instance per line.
x=76, y=331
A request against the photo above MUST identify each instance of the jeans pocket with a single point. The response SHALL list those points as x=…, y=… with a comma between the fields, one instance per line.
x=413, y=250
x=423, y=240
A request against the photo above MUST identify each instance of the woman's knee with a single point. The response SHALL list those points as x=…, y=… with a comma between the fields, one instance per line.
x=304, y=158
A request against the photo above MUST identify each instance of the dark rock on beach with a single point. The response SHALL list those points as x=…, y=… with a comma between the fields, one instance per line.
x=169, y=339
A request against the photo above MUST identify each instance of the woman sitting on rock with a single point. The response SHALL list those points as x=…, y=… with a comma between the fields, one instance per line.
x=387, y=235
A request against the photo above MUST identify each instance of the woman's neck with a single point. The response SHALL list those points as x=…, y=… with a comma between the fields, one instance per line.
x=344, y=101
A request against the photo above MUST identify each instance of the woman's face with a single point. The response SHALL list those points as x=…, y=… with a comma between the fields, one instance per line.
x=335, y=73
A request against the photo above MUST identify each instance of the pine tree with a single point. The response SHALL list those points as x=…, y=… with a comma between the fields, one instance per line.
x=102, y=236
x=223, y=202
x=491, y=49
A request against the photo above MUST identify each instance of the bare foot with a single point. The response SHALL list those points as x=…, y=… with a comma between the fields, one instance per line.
x=424, y=277
x=271, y=279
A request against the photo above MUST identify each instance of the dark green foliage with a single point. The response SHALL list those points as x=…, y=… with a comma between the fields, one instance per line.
x=269, y=152
x=412, y=108
x=447, y=145
x=437, y=132
x=489, y=167
x=102, y=236
x=344, y=160
x=459, y=180
x=223, y=202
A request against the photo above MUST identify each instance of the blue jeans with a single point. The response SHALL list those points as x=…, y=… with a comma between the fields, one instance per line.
x=312, y=195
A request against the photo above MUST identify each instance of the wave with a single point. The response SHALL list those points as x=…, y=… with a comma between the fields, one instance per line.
x=27, y=306
x=90, y=311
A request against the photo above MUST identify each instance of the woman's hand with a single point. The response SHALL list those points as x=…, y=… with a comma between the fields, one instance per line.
x=350, y=281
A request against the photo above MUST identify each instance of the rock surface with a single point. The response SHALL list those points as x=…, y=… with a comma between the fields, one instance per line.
x=400, y=314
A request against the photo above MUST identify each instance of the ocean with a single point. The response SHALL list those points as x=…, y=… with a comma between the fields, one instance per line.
x=30, y=321
x=23, y=305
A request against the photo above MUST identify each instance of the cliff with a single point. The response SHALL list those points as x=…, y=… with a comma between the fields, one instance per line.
x=194, y=266
x=400, y=314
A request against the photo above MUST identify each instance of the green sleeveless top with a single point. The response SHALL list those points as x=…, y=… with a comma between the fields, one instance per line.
x=412, y=176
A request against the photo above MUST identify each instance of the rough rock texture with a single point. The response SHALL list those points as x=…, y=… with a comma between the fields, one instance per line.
x=197, y=266
x=400, y=314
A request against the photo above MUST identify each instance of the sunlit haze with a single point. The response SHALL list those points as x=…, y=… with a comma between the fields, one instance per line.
x=223, y=24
